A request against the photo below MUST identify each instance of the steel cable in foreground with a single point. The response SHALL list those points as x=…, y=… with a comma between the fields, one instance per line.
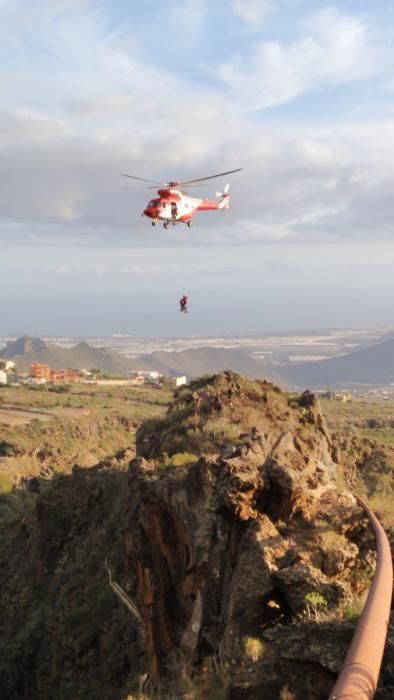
x=360, y=671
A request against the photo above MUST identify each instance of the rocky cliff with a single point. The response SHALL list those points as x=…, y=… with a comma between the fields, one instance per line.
x=241, y=565
x=247, y=556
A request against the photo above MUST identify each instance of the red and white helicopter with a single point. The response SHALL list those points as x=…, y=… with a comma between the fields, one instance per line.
x=174, y=206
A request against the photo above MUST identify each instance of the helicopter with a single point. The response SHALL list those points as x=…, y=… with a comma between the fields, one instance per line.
x=174, y=206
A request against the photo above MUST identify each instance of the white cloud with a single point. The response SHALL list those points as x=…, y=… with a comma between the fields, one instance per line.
x=88, y=267
x=67, y=135
x=87, y=109
x=252, y=11
x=187, y=19
x=332, y=183
x=334, y=49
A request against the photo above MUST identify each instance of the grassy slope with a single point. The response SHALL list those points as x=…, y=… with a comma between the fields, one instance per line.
x=364, y=433
x=107, y=427
x=64, y=633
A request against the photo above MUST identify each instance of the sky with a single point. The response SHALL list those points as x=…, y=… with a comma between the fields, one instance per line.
x=298, y=93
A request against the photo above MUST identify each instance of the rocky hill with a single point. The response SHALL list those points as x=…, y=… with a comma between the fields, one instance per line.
x=371, y=366
x=194, y=363
x=25, y=351
x=241, y=565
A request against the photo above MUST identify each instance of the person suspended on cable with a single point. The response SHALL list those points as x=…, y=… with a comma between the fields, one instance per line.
x=183, y=303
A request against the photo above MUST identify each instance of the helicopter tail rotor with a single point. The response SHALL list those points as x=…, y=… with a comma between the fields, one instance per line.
x=224, y=193
x=225, y=198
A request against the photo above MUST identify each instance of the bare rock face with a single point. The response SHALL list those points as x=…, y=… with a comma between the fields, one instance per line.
x=336, y=560
x=299, y=581
x=234, y=520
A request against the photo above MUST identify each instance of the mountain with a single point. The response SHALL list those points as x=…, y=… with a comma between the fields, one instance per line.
x=25, y=351
x=205, y=360
x=22, y=346
x=373, y=365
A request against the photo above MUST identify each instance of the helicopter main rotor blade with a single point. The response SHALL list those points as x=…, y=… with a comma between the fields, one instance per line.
x=173, y=187
x=143, y=179
x=209, y=177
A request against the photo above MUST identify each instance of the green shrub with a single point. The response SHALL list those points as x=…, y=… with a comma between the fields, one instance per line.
x=383, y=504
x=253, y=648
x=181, y=459
x=7, y=449
x=220, y=429
x=315, y=603
x=5, y=484
x=353, y=610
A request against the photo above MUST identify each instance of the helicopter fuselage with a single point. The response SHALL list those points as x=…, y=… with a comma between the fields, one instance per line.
x=175, y=206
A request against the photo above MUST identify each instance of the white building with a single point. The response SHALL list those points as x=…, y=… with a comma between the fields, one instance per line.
x=3, y=376
x=180, y=381
x=148, y=374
